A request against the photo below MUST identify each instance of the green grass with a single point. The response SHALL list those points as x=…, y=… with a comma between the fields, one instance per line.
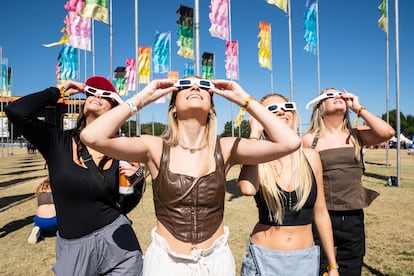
x=389, y=220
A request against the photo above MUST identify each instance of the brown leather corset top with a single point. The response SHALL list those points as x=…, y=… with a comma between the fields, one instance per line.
x=197, y=216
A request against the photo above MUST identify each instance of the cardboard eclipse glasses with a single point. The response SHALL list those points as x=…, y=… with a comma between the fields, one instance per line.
x=92, y=91
x=186, y=83
x=325, y=96
x=286, y=106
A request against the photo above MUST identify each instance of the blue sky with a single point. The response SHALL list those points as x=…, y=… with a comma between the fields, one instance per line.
x=352, y=48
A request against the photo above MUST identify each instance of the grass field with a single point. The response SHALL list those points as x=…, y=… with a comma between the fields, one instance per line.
x=389, y=219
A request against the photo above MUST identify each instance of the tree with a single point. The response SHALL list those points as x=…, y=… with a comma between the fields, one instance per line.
x=406, y=123
x=129, y=128
x=244, y=130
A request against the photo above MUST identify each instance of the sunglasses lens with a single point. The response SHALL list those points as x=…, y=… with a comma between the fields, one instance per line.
x=205, y=83
x=273, y=108
x=88, y=94
x=185, y=82
x=289, y=106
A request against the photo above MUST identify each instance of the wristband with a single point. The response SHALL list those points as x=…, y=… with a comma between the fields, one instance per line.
x=358, y=114
x=62, y=91
x=242, y=111
x=332, y=266
x=132, y=106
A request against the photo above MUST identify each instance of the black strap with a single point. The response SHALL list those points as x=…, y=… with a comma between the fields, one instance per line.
x=315, y=139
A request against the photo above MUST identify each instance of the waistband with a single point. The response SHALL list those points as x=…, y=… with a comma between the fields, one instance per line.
x=356, y=212
x=196, y=254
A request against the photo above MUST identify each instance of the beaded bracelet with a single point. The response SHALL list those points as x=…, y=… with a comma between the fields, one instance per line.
x=242, y=111
x=132, y=106
x=358, y=115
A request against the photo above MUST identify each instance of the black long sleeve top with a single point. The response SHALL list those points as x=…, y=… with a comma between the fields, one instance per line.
x=82, y=207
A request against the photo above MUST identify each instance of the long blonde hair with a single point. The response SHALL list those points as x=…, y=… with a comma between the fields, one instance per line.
x=317, y=124
x=301, y=177
x=171, y=135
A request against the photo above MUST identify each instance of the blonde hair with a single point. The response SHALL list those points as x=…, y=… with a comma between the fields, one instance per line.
x=269, y=176
x=171, y=135
x=317, y=124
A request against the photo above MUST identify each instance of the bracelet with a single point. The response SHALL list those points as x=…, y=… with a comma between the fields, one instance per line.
x=242, y=111
x=62, y=91
x=358, y=115
x=332, y=266
x=132, y=106
x=247, y=102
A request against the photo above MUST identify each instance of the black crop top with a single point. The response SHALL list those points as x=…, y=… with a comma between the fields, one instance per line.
x=290, y=217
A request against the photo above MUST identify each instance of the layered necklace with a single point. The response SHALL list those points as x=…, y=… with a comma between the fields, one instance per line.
x=190, y=149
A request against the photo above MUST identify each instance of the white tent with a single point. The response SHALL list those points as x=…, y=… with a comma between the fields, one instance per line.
x=405, y=139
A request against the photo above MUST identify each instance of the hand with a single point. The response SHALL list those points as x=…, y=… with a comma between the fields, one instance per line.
x=156, y=89
x=72, y=87
x=231, y=91
x=256, y=129
x=352, y=101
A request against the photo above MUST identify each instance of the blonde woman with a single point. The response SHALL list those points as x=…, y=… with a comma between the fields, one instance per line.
x=340, y=148
x=289, y=196
x=188, y=166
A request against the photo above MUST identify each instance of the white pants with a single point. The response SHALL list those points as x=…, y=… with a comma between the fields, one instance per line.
x=159, y=260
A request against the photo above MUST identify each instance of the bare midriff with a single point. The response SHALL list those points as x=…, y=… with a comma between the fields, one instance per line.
x=283, y=237
x=181, y=247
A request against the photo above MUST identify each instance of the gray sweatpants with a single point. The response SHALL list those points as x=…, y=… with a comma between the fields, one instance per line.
x=111, y=250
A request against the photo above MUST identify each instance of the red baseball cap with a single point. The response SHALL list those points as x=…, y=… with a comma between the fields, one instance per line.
x=103, y=86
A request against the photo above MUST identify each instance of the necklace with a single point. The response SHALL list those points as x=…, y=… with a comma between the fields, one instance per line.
x=192, y=150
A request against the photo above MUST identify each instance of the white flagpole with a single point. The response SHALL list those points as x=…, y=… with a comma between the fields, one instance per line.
x=317, y=47
x=93, y=46
x=1, y=90
x=387, y=83
x=110, y=41
x=271, y=63
x=397, y=82
x=196, y=39
x=138, y=126
x=290, y=51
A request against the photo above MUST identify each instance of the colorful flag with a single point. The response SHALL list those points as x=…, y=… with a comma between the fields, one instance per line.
x=79, y=30
x=232, y=53
x=281, y=4
x=172, y=75
x=161, y=53
x=64, y=39
x=144, y=64
x=189, y=69
x=185, y=32
x=130, y=75
x=207, y=62
x=219, y=19
x=96, y=9
x=120, y=81
x=310, y=27
x=264, y=45
x=383, y=21
x=67, y=68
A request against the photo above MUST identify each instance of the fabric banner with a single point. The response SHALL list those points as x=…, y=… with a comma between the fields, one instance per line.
x=161, y=53
x=219, y=19
x=310, y=28
x=185, y=32
x=281, y=4
x=120, y=81
x=79, y=30
x=264, y=45
x=96, y=9
x=67, y=68
x=189, y=69
x=144, y=64
x=232, y=66
x=383, y=21
x=131, y=73
x=207, y=62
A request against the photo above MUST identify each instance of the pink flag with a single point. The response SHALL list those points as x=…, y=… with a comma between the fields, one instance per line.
x=131, y=73
x=79, y=30
x=219, y=19
x=232, y=53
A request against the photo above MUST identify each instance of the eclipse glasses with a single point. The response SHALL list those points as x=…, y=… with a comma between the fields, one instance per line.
x=92, y=91
x=286, y=106
x=325, y=96
x=186, y=83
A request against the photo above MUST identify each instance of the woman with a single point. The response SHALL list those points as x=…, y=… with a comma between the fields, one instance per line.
x=188, y=166
x=45, y=222
x=93, y=236
x=289, y=196
x=340, y=148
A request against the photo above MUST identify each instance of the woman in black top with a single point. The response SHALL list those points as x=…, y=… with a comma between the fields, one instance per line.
x=289, y=199
x=93, y=236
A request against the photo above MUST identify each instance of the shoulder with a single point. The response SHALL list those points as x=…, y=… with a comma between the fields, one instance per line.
x=307, y=140
x=313, y=158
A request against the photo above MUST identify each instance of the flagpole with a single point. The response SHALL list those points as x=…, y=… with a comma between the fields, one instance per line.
x=93, y=46
x=317, y=47
x=169, y=50
x=110, y=41
x=397, y=82
x=1, y=88
x=290, y=51
x=138, y=128
x=271, y=57
x=197, y=39
x=387, y=83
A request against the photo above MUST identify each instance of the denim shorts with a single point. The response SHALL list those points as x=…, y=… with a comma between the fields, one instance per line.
x=263, y=261
x=217, y=260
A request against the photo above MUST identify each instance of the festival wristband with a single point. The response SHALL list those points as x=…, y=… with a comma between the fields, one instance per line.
x=242, y=111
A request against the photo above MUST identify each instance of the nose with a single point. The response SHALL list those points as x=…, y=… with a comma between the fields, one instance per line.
x=280, y=112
